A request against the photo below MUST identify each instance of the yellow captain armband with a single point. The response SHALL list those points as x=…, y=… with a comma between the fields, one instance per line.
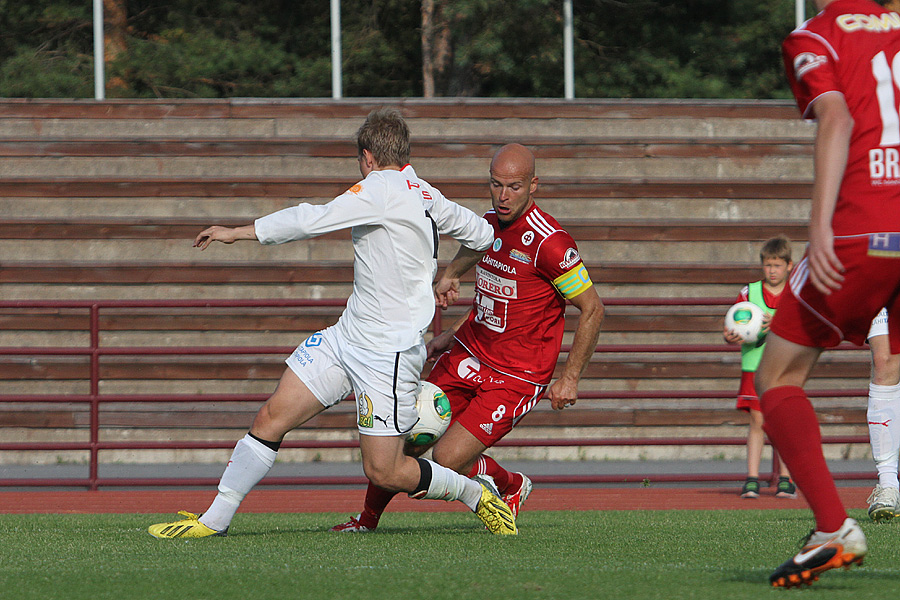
x=573, y=282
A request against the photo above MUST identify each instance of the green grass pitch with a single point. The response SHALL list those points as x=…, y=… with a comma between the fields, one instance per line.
x=423, y=556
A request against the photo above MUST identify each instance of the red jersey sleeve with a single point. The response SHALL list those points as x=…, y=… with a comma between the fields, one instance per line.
x=809, y=65
x=558, y=260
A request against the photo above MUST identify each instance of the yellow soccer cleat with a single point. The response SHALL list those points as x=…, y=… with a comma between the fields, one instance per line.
x=494, y=512
x=189, y=527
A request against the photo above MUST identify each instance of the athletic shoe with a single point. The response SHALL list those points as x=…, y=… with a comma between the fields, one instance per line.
x=189, y=527
x=352, y=526
x=786, y=488
x=750, y=489
x=493, y=511
x=515, y=500
x=884, y=503
x=821, y=552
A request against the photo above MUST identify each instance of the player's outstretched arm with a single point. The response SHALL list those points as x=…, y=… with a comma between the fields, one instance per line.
x=226, y=235
x=446, y=288
x=564, y=391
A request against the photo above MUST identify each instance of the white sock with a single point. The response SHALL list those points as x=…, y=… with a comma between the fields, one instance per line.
x=449, y=485
x=883, y=416
x=249, y=463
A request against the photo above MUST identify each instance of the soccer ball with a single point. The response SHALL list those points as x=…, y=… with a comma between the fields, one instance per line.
x=745, y=319
x=433, y=407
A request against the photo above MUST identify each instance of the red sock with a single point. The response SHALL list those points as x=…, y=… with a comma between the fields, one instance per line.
x=377, y=500
x=507, y=482
x=793, y=429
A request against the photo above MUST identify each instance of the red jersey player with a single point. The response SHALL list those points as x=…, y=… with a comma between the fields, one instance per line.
x=496, y=362
x=843, y=66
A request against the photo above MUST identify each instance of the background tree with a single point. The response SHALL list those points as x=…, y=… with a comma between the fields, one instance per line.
x=281, y=48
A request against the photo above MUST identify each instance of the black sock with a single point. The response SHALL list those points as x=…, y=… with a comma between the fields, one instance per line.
x=424, y=479
x=273, y=445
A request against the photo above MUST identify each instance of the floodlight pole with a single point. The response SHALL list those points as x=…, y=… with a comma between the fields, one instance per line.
x=99, y=77
x=336, y=91
x=568, y=50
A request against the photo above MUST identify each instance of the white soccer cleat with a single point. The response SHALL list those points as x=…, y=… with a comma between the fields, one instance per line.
x=884, y=503
x=821, y=552
x=515, y=500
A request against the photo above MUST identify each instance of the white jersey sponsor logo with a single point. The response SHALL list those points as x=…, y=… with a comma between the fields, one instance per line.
x=877, y=23
x=495, y=285
x=884, y=166
x=498, y=265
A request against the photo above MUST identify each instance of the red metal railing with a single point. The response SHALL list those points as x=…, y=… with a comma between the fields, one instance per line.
x=95, y=399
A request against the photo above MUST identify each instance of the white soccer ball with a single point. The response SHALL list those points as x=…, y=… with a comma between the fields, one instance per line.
x=433, y=407
x=745, y=319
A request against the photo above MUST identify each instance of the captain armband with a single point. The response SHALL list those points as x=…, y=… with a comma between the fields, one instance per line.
x=573, y=282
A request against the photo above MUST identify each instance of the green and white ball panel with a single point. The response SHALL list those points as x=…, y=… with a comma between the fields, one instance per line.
x=433, y=407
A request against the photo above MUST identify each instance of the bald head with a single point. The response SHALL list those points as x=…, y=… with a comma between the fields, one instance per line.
x=512, y=182
x=513, y=158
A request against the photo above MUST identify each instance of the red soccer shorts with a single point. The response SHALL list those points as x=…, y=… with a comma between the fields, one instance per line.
x=747, y=398
x=807, y=317
x=484, y=401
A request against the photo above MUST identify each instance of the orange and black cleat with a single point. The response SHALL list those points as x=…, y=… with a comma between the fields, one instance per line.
x=821, y=552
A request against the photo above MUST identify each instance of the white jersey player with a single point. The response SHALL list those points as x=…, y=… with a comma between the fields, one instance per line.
x=883, y=417
x=376, y=349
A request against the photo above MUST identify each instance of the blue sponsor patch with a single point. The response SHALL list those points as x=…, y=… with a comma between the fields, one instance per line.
x=884, y=244
x=313, y=340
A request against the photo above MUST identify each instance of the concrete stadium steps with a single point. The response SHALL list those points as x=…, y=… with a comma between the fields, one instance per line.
x=690, y=158
x=100, y=200
x=433, y=117
x=119, y=239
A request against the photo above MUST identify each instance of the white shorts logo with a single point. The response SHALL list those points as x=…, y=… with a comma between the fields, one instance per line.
x=469, y=368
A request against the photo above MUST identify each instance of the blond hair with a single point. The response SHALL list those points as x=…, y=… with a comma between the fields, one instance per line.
x=386, y=135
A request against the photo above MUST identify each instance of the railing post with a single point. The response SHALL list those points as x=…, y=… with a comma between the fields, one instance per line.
x=95, y=397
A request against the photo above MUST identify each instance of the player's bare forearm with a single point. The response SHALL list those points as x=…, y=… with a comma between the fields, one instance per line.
x=226, y=235
x=446, y=289
x=444, y=340
x=830, y=159
x=565, y=391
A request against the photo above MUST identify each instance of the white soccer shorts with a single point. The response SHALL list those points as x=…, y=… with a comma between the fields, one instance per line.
x=879, y=325
x=385, y=383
